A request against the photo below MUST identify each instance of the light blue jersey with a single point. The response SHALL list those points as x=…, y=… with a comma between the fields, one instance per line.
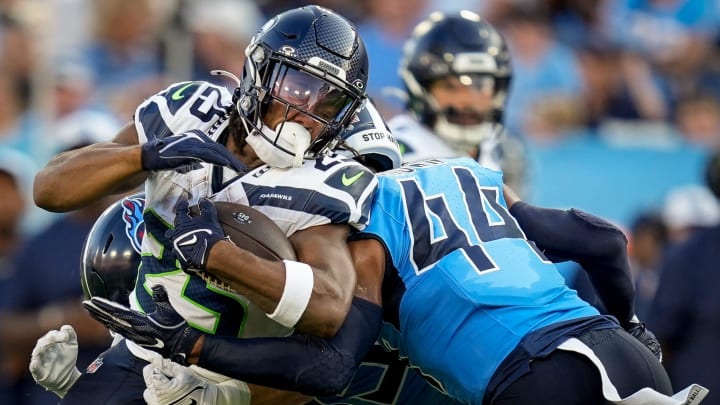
x=472, y=286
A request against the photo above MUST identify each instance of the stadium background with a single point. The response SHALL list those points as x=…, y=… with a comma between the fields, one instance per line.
x=616, y=101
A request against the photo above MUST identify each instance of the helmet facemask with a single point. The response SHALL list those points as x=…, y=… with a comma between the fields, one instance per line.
x=293, y=111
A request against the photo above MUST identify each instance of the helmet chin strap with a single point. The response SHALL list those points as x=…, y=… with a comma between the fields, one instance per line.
x=290, y=136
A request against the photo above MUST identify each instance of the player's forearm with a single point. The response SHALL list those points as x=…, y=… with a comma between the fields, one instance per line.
x=79, y=177
x=303, y=363
x=263, y=282
x=259, y=280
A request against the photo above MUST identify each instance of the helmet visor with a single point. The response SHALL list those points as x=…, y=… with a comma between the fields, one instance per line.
x=310, y=94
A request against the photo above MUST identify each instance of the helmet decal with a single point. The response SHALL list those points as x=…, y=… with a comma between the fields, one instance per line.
x=134, y=222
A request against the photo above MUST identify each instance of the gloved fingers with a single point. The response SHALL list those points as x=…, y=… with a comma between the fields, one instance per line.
x=207, y=207
x=48, y=341
x=153, y=376
x=104, y=310
x=167, y=366
x=71, y=335
x=181, y=209
x=38, y=370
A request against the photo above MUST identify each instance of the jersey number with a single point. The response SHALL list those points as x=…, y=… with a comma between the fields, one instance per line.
x=437, y=232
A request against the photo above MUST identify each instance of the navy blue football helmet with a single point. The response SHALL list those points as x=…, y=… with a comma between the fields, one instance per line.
x=111, y=254
x=308, y=60
x=462, y=45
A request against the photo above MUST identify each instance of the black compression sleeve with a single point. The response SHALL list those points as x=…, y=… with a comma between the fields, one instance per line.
x=598, y=246
x=303, y=363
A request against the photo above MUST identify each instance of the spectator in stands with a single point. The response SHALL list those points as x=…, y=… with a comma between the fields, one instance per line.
x=42, y=290
x=685, y=314
x=14, y=168
x=648, y=241
x=688, y=209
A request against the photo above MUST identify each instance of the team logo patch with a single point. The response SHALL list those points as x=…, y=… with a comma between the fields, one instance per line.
x=134, y=222
x=94, y=366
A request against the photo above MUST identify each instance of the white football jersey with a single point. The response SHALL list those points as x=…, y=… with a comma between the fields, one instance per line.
x=497, y=151
x=331, y=189
x=417, y=142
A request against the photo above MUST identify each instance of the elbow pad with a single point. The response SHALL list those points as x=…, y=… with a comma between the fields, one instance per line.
x=569, y=235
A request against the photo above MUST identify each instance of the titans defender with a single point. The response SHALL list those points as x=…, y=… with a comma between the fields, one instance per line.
x=448, y=275
x=264, y=144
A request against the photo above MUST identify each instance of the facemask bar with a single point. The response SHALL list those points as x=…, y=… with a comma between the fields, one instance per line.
x=275, y=79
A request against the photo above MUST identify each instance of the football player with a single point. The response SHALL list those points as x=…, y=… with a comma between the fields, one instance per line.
x=456, y=71
x=109, y=269
x=564, y=329
x=468, y=299
x=264, y=144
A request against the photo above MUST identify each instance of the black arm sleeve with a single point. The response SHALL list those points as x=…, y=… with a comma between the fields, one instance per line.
x=597, y=245
x=304, y=363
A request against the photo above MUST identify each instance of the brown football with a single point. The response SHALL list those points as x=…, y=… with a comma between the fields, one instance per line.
x=251, y=230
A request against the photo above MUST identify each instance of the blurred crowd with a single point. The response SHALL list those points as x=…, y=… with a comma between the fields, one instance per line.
x=617, y=102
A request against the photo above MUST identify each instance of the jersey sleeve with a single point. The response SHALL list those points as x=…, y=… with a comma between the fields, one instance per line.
x=352, y=188
x=181, y=107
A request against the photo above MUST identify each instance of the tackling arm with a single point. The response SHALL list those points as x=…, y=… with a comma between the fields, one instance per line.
x=598, y=246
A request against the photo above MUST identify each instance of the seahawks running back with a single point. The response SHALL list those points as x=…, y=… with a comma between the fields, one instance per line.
x=264, y=144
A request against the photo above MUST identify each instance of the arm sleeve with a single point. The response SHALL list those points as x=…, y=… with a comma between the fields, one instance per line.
x=304, y=363
x=598, y=246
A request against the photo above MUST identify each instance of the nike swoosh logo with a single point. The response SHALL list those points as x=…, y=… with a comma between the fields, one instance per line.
x=159, y=344
x=189, y=242
x=178, y=94
x=190, y=401
x=348, y=181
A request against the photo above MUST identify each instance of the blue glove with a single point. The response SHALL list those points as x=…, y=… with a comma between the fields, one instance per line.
x=187, y=148
x=194, y=236
x=163, y=331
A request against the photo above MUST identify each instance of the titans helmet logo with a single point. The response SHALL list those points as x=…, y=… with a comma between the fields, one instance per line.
x=133, y=218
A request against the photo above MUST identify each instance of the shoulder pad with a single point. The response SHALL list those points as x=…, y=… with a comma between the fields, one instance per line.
x=181, y=107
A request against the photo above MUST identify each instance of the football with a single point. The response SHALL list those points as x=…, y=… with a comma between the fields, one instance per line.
x=251, y=230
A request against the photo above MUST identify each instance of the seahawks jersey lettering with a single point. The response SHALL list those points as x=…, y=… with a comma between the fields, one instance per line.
x=317, y=193
x=471, y=281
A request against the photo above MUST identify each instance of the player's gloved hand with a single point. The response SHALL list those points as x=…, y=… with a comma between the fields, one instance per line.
x=194, y=236
x=186, y=148
x=171, y=383
x=638, y=330
x=53, y=359
x=163, y=331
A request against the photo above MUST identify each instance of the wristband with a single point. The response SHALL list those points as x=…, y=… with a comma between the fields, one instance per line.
x=296, y=294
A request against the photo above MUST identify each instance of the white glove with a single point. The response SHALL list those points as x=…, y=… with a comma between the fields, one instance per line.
x=53, y=359
x=169, y=383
